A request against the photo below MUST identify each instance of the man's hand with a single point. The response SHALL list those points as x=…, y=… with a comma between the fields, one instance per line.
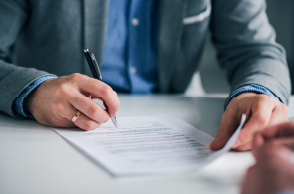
x=273, y=172
x=55, y=102
x=261, y=111
x=282, y=135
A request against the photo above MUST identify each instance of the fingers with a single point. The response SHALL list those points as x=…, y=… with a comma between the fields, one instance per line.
x=99, y=89
x=284, y=130
x=93, y=114
x=244, y=147
x=279, y=115
x=65, y=95
x=272, y=151
x=288, y=142
x=259, y=142
x=86, y=123
x=90, y=108
x=261, y=115
x=67, y=111
x=228, y=125
x=261, y=111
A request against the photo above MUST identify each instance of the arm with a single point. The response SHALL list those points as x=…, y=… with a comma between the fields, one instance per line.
x=246, y=46
x=55, y=101
x=247, y=50
x=13, y=79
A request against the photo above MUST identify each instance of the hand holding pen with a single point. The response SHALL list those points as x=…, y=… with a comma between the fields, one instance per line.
x=92, y=62
x=64, y=102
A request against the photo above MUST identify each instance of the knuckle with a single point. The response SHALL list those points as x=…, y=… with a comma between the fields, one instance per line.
x=261, y=119
x=94, y=112
x=284, y=108
x=64, y=91
x=106, y=90
x=75, y=76
x=59, y=106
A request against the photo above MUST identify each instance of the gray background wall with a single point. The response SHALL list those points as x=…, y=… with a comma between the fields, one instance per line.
x=281, y=16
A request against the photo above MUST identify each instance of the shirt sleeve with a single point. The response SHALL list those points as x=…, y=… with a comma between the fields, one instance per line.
x=18, y=102
x=250, y=88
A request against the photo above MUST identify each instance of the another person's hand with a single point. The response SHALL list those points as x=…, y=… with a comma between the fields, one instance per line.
x=55, y=102
x=282, y=134
x=273, y=171
x=261, y=111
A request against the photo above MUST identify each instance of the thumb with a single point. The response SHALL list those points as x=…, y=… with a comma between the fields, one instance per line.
x=228, y=126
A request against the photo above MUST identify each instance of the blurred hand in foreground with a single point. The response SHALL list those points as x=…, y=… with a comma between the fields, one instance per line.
x=274, y=169
x=55, y=102
x=261, y=111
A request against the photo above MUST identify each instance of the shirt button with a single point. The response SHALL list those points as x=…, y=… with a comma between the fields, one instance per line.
x=133, y=70
x=135, y=21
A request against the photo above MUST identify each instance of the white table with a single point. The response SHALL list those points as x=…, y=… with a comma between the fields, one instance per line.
x=34, y=159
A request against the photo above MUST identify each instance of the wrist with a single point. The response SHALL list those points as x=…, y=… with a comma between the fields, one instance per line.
x=251, y=88
x=28, y=101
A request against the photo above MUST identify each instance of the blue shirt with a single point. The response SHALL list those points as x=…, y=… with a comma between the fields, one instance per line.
x=131, y=46
x=131, y=51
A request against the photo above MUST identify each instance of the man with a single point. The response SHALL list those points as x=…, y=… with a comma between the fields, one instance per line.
x=142, y=47
x=273, y=172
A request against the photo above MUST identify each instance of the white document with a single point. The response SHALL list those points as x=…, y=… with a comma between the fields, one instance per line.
x=147, y=145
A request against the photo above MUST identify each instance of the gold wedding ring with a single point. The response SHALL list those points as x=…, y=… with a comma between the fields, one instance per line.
x=75, y=117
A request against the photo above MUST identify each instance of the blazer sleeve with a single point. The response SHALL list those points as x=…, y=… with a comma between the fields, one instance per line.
x=246, y=46
x=13, y=79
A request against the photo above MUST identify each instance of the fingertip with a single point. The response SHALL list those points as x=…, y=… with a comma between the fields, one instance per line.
x=236, y=144
x=213, y=146
x=113, y=114
x=216, y=144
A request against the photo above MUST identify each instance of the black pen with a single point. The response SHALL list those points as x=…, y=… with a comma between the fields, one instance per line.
x=92, y=62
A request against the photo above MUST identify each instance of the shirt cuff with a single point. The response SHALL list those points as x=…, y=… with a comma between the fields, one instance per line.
x=250, y=88
x=18, y=102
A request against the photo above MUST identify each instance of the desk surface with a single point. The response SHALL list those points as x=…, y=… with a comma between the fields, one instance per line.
x=34, y=159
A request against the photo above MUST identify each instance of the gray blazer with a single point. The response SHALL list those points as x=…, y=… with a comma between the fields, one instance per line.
x=42, y=37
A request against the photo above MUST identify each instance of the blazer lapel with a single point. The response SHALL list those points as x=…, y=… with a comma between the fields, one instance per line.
x=170, y=31
x=95, y=13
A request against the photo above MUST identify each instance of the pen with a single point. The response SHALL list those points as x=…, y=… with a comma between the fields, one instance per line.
x=92, y=62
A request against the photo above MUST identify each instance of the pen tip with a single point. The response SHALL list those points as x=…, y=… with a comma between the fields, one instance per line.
x=86, y=50
x=114, y=121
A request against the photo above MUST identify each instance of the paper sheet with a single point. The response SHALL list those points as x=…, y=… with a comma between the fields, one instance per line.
x=147, y=145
